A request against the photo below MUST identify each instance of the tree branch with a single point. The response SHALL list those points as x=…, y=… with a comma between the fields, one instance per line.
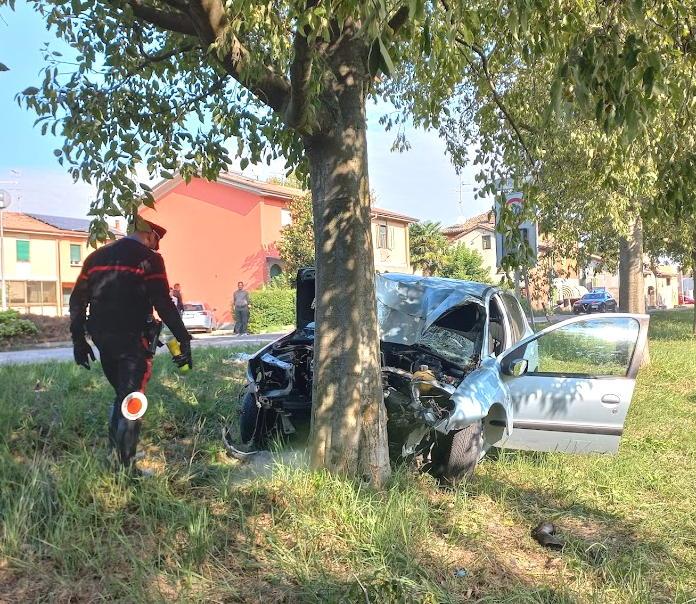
x=496, y=97
x=151, y=59
x=210, y=22
x=399, y=19
x=300, y=76
x=169, y=20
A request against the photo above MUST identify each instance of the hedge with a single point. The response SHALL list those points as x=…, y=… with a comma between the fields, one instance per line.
x=13, y=326
x=271, y=309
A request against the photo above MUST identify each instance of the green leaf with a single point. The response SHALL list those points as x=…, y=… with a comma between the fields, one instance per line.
x=244, y=163
x=387, y=63
x=648, y=80
x=167, y=175
x=145, y=187
x=31, y=91
x=4, y=67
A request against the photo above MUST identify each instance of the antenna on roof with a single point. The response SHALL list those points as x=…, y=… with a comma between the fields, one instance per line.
x=460, y=203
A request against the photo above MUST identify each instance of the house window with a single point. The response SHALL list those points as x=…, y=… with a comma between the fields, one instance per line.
x=275, y=271
x=22, y=251
x=285, y=217
x=32, y=293
x=486, y=242
x=75, y=254
x=383, y=236
x=525, y=235
x=17, y=292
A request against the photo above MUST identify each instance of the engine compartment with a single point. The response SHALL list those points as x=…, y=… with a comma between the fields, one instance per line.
x=417, y=383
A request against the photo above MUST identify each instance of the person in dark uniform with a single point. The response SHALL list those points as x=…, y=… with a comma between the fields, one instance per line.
x=120, y=283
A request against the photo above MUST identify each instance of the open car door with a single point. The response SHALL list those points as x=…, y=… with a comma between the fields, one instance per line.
x=571, y=385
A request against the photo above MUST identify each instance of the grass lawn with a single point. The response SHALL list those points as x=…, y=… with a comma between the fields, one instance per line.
x=204, y=530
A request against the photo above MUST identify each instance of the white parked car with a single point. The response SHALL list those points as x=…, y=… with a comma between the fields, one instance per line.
x=199, y=315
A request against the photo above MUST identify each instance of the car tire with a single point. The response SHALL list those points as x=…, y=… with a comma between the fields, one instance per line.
x=602, y=307
x=455, y=455
x=255, y=424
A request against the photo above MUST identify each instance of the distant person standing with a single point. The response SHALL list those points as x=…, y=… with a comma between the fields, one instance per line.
x=176, y=292
x=240, y=300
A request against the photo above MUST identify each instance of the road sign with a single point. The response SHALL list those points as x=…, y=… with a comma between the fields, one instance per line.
x=514, y=202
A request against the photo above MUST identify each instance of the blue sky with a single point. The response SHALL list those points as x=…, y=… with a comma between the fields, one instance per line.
x=421, y=182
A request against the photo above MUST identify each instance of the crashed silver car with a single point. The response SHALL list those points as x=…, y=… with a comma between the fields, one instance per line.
x=463, y=372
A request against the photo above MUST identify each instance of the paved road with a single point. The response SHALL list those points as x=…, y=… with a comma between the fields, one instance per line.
x=44, y=355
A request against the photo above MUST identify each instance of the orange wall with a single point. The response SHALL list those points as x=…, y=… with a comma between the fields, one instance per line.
x=216, y=236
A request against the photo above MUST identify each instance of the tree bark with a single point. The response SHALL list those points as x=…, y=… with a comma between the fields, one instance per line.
x=631, y=284
x=349, y=421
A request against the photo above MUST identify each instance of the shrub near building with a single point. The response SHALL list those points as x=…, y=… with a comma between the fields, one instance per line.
x=272, y=309
x=13, y=326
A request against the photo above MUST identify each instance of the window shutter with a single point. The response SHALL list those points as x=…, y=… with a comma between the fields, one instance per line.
x=75, y=254
x=22, y=251
x=390, y=238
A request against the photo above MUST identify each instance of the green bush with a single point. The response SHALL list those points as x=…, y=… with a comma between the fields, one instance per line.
x=12, y=325
x=271, y=309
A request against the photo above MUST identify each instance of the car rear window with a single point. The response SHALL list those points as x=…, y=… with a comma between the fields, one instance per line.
x=193, y=307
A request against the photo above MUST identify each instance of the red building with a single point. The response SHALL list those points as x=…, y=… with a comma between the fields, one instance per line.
x=223, y=232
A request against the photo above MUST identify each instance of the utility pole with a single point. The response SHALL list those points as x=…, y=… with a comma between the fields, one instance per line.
x=5, y=201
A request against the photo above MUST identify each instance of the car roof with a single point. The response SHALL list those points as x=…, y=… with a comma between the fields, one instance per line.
x=467, y=288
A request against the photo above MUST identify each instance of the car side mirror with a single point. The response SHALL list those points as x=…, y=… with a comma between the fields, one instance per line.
x=516, y=368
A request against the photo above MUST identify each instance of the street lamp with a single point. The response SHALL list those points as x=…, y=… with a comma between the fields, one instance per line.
x=5, y=201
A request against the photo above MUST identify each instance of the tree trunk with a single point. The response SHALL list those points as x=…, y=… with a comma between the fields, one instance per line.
x=631, y=285
x=693, y=276
x=349, y=421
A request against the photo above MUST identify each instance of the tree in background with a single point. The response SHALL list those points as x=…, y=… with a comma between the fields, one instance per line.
x=296, y=244
x=676, y=241
x=461, y=262
x=428, y=247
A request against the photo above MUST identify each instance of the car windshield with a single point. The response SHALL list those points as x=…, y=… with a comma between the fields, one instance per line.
x=595, y=296
x=198, y=307
x=455, y=346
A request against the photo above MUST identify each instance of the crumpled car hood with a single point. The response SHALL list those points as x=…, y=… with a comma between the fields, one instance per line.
x=408, y=304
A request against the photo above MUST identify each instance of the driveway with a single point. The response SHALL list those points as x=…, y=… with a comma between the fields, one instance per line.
x=65, y=353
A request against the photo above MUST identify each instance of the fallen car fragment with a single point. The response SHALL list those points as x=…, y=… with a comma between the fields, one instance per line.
x=463, y=371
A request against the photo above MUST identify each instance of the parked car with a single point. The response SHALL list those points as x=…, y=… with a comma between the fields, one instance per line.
x=198, y=316
x=685, y=299
x=596, y=301
x=462, y=372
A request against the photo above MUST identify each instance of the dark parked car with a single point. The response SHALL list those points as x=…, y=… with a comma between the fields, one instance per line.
x=462, y=371
x=595, y=301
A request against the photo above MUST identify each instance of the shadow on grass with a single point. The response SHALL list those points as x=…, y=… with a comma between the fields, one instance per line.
x=612, y=548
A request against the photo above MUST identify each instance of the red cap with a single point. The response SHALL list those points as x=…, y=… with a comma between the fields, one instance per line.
x=145, y=226
x=161, y=231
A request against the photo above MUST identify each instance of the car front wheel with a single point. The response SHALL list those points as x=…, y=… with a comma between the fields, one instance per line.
x=255, y=424
x=455, y=455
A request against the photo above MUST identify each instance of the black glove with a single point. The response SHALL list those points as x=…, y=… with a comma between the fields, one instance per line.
x=83, y=352
x=185, y=357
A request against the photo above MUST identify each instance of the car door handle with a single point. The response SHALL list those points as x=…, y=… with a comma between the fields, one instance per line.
x=610, y=399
